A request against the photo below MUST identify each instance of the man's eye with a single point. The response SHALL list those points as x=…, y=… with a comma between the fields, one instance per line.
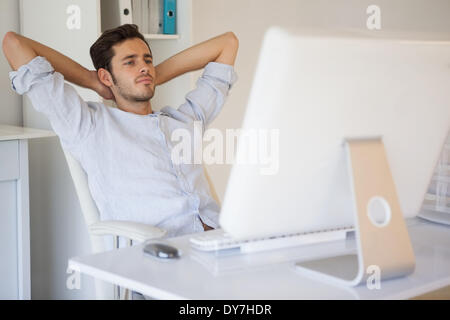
x=129, y=62
x=148, y=61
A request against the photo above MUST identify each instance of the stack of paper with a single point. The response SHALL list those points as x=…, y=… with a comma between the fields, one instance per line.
x=436, y=205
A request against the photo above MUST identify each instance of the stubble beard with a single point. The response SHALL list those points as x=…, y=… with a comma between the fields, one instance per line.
x=124, y=93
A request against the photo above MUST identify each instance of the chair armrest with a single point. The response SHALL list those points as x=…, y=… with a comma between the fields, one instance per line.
x=131, y=230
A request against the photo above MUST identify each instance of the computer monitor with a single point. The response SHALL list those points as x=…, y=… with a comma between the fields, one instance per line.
x=317, y=89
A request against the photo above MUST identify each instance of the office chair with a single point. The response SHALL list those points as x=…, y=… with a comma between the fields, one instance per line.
x=97, y=229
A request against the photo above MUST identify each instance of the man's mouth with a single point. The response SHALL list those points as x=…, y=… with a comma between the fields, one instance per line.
x=145, y=80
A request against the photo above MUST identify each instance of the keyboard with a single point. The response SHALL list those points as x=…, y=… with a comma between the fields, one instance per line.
x=218, y=239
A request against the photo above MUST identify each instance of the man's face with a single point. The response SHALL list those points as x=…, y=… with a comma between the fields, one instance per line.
x=132, y=71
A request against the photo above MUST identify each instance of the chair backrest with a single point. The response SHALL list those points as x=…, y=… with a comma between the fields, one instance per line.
x=91, y=215
x=80, y=180
x=89, y=209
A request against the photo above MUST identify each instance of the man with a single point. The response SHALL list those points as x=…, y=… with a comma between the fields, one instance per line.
x=126, y=151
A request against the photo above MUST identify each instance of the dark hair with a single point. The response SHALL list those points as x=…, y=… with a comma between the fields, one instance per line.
x=102, y=52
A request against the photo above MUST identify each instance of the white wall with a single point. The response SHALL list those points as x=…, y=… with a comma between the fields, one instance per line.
x=11, y=103
x=248, y=19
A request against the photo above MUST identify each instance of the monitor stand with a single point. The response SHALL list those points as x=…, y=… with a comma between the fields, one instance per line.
x=383, y=245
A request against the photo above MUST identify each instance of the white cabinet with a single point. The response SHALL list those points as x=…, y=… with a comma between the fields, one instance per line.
x=8, y=215
x=14, y=211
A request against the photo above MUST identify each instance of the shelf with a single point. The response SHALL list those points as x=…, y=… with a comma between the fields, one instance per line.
x=161, y=36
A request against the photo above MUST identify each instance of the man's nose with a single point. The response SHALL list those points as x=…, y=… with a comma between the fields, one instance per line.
x=144, y=69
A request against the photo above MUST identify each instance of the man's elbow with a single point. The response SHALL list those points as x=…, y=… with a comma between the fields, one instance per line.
x=229, y=50
x=16, y=51
x=233, y=39
x=10, y=41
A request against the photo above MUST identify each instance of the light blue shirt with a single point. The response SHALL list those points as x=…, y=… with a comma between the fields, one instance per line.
x=126, y=156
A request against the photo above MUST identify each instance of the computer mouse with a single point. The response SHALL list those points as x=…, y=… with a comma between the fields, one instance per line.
x=161, y=250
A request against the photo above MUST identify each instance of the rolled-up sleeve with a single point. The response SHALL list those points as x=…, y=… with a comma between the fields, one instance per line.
x=69, y=115
x=206, y=101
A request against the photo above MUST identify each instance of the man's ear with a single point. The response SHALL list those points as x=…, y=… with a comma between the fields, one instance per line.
x=105, y=77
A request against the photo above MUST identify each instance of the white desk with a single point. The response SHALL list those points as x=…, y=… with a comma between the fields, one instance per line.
x=14, y=211
x=267, y=275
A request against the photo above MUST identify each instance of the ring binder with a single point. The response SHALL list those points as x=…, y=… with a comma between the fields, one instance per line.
x=169, y=16
x=156, y=16
x=126, y=12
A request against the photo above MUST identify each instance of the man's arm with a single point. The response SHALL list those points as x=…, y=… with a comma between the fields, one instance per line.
x=20, y=50
x=222, y=49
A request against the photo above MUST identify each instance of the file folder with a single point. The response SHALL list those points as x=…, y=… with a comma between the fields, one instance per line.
x=125, y=9
x=136, y=12
x=145, y=16
x=156, y=16
x=169, y=16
